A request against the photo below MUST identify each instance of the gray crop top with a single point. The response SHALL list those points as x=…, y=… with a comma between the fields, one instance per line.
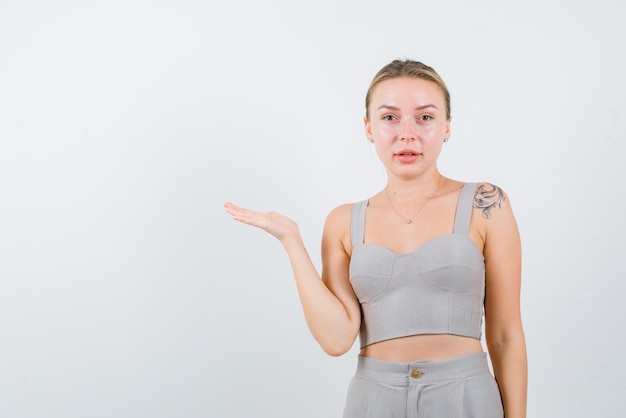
x=437, y=289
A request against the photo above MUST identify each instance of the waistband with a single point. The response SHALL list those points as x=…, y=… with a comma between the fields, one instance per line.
x=423, y=371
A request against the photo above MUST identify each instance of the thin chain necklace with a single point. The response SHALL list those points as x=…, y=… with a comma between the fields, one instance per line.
x=410, y=220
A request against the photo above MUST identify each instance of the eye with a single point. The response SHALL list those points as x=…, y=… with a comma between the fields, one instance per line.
x=425, y=118
x=388, y=117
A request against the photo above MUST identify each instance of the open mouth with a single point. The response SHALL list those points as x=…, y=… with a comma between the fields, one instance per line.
x=407, y=156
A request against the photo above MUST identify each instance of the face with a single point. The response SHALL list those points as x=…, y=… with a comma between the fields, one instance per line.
x=408, y=123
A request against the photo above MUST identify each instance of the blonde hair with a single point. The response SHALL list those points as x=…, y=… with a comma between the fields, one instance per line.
x=408, y=68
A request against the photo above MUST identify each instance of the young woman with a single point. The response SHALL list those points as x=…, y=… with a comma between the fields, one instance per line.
x=413, y=269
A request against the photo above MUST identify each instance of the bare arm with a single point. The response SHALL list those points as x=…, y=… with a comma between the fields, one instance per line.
x=330, y=307
x=503, y=324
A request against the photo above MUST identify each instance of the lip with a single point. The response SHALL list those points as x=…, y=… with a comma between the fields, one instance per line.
x=407, y=151
x=407, y=155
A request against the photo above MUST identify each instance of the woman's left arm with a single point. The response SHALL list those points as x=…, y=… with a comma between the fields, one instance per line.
x=503, y=324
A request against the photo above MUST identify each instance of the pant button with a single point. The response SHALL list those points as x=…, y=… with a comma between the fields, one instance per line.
x=416, y=373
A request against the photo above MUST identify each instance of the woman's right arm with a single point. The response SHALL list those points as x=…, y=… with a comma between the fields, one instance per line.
x=330, y=306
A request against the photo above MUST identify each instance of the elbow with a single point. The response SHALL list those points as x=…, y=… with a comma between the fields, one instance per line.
x=337, y=341
x=499, y=341
x=334, y=351
x=336, y=348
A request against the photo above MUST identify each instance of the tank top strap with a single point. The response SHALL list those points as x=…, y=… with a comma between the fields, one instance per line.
x=464, y=209
x=357, y=225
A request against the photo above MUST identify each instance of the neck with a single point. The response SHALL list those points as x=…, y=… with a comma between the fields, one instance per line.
x=414, y=189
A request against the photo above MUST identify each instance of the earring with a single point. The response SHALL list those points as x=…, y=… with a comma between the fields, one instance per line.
x=445, y=139
x=372, y=141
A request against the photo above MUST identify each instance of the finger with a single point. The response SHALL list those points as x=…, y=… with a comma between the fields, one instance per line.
x=247, y=216
x=231, y=207
x=235, y=210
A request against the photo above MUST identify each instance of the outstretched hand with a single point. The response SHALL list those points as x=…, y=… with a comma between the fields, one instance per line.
x=274, y=223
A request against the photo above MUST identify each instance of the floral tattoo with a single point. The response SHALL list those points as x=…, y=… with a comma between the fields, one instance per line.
x=487, y=197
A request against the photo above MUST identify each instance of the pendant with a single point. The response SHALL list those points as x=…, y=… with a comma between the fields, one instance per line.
x=408, y=221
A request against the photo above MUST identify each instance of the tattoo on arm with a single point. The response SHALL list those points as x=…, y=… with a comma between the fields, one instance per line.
x=487, y=197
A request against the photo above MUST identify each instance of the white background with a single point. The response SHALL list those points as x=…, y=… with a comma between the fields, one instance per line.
x=127, y=291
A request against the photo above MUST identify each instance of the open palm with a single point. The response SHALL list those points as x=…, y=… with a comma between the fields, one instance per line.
x=272, y=222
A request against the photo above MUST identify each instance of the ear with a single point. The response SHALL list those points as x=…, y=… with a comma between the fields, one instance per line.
x=368, y=129
x=447, y=131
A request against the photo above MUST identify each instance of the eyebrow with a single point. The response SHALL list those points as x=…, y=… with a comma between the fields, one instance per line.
x=422, y=107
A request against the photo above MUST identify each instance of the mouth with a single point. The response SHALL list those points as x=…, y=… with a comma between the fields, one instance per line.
x=407, y=156
x=407, y=153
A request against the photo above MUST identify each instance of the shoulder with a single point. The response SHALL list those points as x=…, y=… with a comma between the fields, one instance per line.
x=494, y=221
x=341, y=213
x=337, y=228
x=490, y=199
x=338, y=219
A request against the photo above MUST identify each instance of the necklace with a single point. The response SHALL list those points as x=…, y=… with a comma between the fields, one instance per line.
x=410, y=220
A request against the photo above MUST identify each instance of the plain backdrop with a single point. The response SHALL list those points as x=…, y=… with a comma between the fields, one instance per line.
x=127, y=291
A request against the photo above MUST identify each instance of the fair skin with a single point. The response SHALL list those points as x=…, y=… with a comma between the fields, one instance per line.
x=408, y=123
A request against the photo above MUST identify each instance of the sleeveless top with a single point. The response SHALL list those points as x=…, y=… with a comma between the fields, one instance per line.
x=437, y=289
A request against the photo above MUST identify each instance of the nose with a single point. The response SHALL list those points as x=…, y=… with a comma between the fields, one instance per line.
x=407, y=131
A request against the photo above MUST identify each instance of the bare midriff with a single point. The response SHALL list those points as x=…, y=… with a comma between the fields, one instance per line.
x=431, y=347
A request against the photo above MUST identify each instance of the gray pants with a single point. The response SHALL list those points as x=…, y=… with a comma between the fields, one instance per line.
x=452, y=388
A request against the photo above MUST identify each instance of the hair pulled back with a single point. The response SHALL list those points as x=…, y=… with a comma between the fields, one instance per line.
x=407, y=68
